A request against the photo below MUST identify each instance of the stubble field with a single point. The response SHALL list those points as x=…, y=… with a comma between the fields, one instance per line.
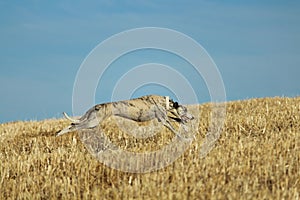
x=256, y=157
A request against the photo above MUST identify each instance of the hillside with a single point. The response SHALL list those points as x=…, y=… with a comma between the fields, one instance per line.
x=257, y=156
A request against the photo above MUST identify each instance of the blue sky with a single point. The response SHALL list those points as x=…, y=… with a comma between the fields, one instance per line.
x=255, y=44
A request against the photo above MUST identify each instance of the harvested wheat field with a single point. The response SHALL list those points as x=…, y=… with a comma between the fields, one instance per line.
x=256, y=157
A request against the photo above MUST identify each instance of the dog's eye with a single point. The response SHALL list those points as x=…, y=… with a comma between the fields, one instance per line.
x=175, y=105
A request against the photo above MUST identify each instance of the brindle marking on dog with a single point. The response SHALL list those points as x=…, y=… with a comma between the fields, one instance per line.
x=141, y=109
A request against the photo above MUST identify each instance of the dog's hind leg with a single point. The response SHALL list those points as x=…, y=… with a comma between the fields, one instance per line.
x=66, y=130
x=90, y=121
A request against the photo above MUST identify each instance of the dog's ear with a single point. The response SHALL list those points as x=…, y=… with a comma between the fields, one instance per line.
x=175, y=105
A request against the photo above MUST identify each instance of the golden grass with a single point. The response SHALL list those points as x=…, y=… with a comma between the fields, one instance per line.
x=256, y=157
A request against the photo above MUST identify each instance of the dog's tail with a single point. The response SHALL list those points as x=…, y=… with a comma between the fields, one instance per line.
x=71, y=119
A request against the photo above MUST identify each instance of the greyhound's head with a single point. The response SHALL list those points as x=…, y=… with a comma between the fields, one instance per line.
x=180, y=113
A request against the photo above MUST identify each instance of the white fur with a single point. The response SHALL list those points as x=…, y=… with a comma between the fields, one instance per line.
x=167, y=102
